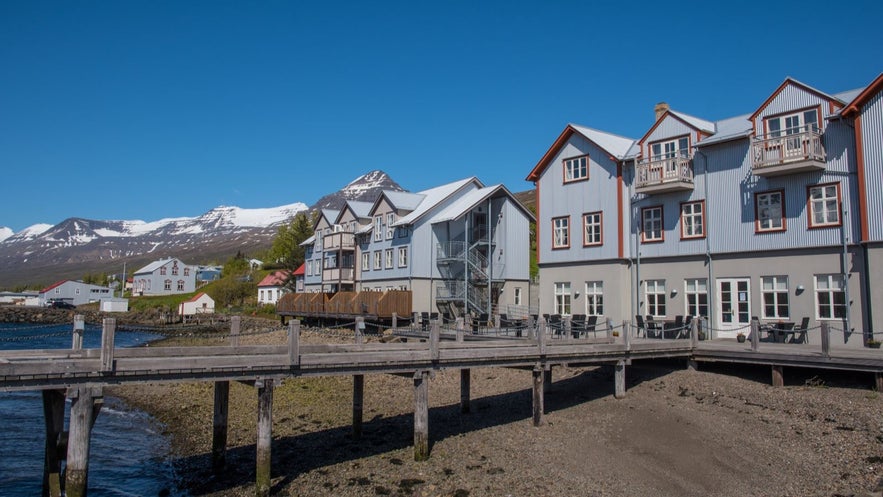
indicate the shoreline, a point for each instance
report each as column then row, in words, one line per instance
column 724, row 432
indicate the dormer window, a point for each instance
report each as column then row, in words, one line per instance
column 679, row 147
column 378, row 228
column 792, row 124
column 390, row 219
column 576, row 169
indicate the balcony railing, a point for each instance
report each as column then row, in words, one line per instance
column 338, row 274
column 795, row 150
column 340, row 240
column 662, row 175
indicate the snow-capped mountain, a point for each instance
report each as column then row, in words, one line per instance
column 365, row 188
column 76, row 246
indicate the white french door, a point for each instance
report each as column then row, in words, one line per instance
column 734, row 306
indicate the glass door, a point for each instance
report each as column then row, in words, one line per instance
column 734, row 311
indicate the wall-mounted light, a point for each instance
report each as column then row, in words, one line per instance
column 674, row 292
column 799, row 289
column 576, row 295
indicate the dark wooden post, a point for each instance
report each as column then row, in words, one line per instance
column 625, row 329
column 219, row 426
column 294, row 343
column 235, row 323
column 82, row 418
column 619, row 380
column 434, row 337
column 465, row 387
column 421, row 415
column 265, row 437
column 694, row 333
column 358, row 404
column 538, row 395
column 53, row 414
column 79, row 326
column 755, row 334
column 826, row 340
column 107, row 332
column 547, row 378
column 778, row 376
column 541, row 336
column 395, row 321
column 531, row 327
column 878, row 382
column 568, row 327
column 460, row 328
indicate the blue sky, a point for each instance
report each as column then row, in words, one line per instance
column 153, row 109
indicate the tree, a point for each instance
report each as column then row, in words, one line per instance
column 287, row 252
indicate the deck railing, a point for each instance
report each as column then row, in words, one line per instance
column 664, row 170
column 793, row 145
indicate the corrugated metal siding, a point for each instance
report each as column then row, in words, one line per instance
column 872, row 147
column 516, row 243
column 791, row 98
column 574, row 199
column 667, row 129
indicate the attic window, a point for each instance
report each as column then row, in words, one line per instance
column 576, row 169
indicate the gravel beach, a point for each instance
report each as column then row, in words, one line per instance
column 720, row 431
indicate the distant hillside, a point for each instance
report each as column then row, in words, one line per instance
column 365, row 188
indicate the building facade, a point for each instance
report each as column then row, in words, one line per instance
column 753, row 216
column 459, row 247
column 73, row 292
column 164, row 277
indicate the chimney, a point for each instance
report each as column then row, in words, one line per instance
column 660, row 109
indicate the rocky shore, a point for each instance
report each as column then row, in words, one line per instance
column 721, row 431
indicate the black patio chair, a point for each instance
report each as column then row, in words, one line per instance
column 555, row 324
column 653, row 328
column 590, row 325
column 577, row 325
column 482, row 321
column 424, row 321
column 799, row 335
column 639, row 322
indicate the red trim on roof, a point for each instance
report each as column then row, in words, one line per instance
column 788, row 81
column 855, row 106
column 274, row 279
column 659, row 121
column 301, row 270
column 197, row 297
column 50, row 287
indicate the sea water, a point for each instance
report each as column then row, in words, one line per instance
column 128, row 456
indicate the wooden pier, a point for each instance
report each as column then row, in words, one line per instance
column 81, row 374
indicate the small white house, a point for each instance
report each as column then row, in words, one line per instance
column 201, row 303
column 272, row 287
column 114, row 305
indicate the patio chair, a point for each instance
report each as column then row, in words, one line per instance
column 482, row 321
column 799, row 335
column 639, row 322
column 577, row 325
column 424, row 321
column 590, row 325
column 555, row 324
column 653, row 328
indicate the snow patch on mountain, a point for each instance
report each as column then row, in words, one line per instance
column 5, row 233
column 29, row 233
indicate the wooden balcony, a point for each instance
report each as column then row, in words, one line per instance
column 674, row 174
column 338, row 275
column 342, row 240
column 788, row 153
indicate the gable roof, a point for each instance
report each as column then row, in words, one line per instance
column 729, row 129
column 199, row 296
column 854, row 107
column 361, row 210
column 617, row 147
column 693, row 122
column 276, row 278
column 789, row 81
column 330, row 216
column 300, row 269
column 434, row 196
column 54, row 285
column 471, row 199
column 153, row 266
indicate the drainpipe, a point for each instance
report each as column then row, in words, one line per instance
column 844, row 261
column 710, row 287
column 490, row 259
column 636, row 288
column 466, row 265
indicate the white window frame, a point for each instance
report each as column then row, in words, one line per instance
column 830, row 286
column 388, row 256
column 561, row 232
column 652, row 229
column 563, row 298
column 378, row 228
column 693, row 219
column 318, row 241
column 670, row 149
column 791, row 124
column 592, row 228
column 517, row 298
column 378, row 260
column 774, row 288
column 769, row 215
column 655, row 298
column 366, row 261
column 390, row 219
column 594, row 298
column 576, row 168
column 694, row 291
column 822, row 204
column 403, row 256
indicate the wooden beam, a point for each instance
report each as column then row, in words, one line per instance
column 421, row 415
column 219, row 426
column 358, row 404
column 778, row 376
column 108, row 329
column 547, row 378
column 235, row 324
column 294, row 343
column 465, row 387
column 53, row 413
column 619, row 380
column 81, row 421
column 878, row 382
column 538, row 406
column 265, row 438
